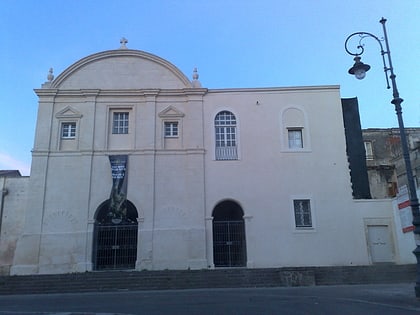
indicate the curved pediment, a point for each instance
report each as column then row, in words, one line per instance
column 121, row 69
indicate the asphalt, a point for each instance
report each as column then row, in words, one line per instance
column 389, row 299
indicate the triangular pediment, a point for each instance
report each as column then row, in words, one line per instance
column 68, row 112
column 171, row 112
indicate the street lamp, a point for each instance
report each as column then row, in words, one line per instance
column 359, row 70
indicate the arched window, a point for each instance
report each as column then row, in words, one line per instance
column 226, row 140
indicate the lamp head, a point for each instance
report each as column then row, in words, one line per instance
column 359, row 69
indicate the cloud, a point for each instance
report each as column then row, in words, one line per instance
column 7, row 162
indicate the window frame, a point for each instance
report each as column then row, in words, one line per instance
column 368, row 150
column 68, row 133
column 173, row 129
column 305, row 227
column 226, row 136
column 299, row 143
column 123, row 125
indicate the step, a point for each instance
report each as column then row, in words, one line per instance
column 214, row 278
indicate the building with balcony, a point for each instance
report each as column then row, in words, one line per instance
column 385, row 163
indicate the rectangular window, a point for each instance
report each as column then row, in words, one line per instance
column 369, row 150
column 120, row 123
column 295, row 138
column 225, row 136
column 171, row 129
column 303, row 216
column 68, row 130
column 226, row 143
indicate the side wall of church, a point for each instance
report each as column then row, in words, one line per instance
column 268, row 176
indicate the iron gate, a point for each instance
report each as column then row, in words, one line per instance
column 229, row 248
column 115, row 246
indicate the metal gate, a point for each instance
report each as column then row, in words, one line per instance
column 229, row 248
column 115, row 246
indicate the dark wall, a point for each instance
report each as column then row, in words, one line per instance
column 355, row 149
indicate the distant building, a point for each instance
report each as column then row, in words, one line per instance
column 10, row 173
column 385, row 163
column 135, row 166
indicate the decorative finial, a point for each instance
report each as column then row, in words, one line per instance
column 195, row 74
column 123, row 43
column 195, row 81
column 50, row 76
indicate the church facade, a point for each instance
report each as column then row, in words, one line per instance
column 135, row 166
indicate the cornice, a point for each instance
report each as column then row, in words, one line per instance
column 58, row 153
column 121, row 92
column 46, row 92
column 277, row 89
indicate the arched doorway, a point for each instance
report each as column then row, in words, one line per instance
column 229, row 245
column 115, row 239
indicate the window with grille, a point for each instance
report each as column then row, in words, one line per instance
column 120, row 123
column 171, row 129
column 226, row 140
column 303, row 215
column 68, row 130
column 295, row 138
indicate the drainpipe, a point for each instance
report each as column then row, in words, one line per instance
column 4, row 192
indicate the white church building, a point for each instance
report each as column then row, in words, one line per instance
column 135, row 166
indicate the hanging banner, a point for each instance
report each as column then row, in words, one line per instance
column 404, row 208
column 118, row 197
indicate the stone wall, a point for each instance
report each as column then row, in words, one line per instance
column 12, row 217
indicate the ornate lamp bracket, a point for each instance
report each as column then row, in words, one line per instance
column 360, row 50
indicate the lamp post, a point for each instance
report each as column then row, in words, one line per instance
column 359, row 70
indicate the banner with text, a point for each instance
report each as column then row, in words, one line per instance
column 118, row 197
column 404, row 208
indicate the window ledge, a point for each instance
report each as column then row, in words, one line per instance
column 303, row 150
column 305, row 230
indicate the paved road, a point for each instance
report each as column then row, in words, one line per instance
column 321, row 300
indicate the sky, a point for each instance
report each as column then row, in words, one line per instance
column 233, row 43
